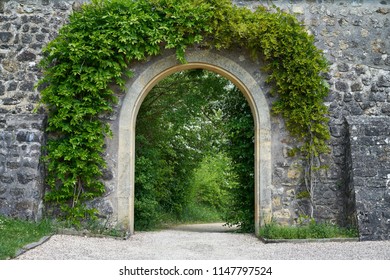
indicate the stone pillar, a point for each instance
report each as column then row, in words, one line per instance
column 21, row 173
column 369, row 180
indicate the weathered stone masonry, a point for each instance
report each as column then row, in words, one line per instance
column 25, row 27
column 368, row 158
column 21, row 174
column 355, row 37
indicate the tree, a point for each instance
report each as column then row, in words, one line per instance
column 184, row 148
column 240, row 148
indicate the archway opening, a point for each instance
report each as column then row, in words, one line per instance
column 147, row 76
column 194, row 153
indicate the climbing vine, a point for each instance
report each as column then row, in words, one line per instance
column 92, row 52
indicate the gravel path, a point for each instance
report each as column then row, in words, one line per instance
column 200, row 243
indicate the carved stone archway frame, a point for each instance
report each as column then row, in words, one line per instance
column 234, row 66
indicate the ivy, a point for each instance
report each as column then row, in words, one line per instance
column 93, row 51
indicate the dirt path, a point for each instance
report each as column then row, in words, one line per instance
column 199, row 242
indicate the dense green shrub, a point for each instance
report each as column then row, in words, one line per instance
column 240, row 127
column 180, row 141
column 307, row 231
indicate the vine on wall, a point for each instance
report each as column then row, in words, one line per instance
column 94, row 49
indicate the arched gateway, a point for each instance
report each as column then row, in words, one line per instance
column 233, row 65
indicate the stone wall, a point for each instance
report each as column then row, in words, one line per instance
column 369, row 182
column 21, row 174
column 25, row 28
column 355, row 38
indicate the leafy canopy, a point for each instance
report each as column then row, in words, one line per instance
column 94, row 49
column 182, row 172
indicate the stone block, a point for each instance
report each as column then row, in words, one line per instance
column 343, row 67
column 366, row 172
column 386, row 109
column 40, row 37
column 6, row 179
column 276, row 202
column 13, row 164
column 342, row 86
column 107, row 175
column 336, row 130
column 372, row 131
column 347, row 97
column 356, row 110
column 26, row 177
column 378, row 96
column 31, row 163
column 294, row 172
column 22, row 206
column 26, row 56
column 10, row 101
column 37, row 19
column 3, row 189
column 369, row 159
column 26, row 39
column 365, row 141
column 28, row 136
column 5, row 37
column 4, row 206
column 383, row 81
column 2, row 89
column 282, row 216
column 17, row 192
column 356, row 87
column 27, row 86
column 12, row 86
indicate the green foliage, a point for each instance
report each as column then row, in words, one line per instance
column 94, row 49
column 212, row 181
column 307, row 231
column 199, row 213
column 294, row 66
column 17, row 233
column 240, row 148
column 89, row 54
column 303, row 194
column 195, row 136
column 178, row 139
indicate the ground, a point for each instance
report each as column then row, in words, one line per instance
column 200, row 242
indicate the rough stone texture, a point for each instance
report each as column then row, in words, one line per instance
column 25, row 28
column 354, row 35
column 369, row 185
column 21, row 174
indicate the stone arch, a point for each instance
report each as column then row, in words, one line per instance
column 147, row 76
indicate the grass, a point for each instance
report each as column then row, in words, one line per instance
column 198, row 213
column 310, row 231
column 192, row 214
column 14, row 234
